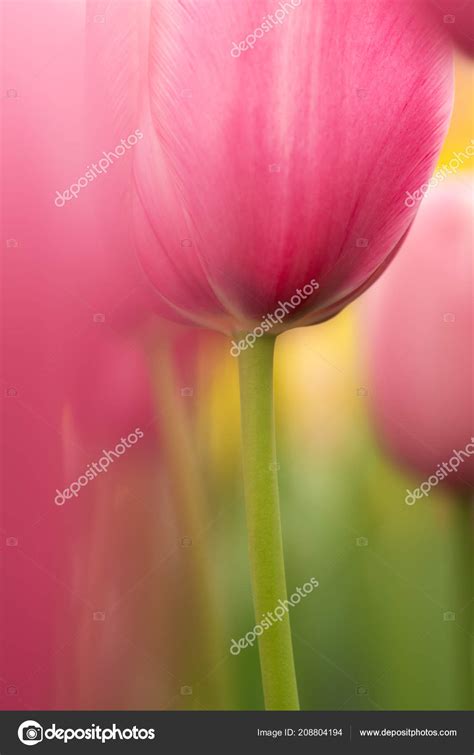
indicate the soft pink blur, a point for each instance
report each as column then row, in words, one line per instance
column 111, row 389
column 68, row 272
column 420, row 324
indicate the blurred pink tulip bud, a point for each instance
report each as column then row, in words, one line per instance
column 420, row 321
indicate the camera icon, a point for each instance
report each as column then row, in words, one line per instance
column 449, row 19
column 362, row 243
column 362, row 541
column 449, row 317
column 449, row 616
column 187, row 391
column 98, row 317
column 186, row 690
column 30, row 733
column 362, row 689
column 98, row 616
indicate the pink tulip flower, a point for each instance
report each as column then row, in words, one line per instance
column 275, row 157
column 420, row 320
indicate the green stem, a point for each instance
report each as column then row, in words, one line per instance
column 263, row 523
column 465, row 579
